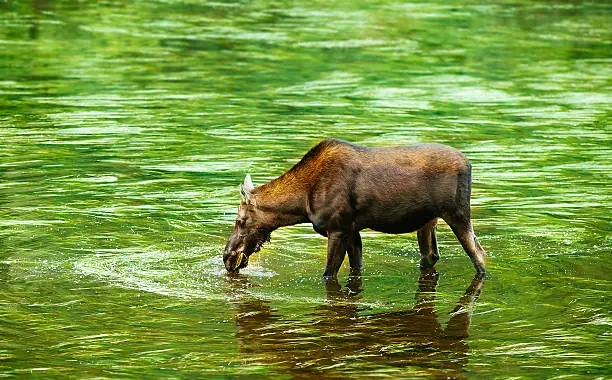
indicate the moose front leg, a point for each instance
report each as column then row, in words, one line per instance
column 336, row 250
column 354, row 251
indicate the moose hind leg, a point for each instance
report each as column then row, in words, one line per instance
column 428, row 245
column 355, row 250
column 462, row 227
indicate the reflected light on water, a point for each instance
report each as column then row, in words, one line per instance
column 340, row 336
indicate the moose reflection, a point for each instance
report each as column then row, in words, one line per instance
column 339, row 336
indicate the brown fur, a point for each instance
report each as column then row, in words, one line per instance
column 342, row 188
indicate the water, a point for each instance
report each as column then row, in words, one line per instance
column 126, row 127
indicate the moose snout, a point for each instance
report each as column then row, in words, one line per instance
column 234, row 261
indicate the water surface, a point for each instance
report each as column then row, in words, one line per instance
column 126, row 127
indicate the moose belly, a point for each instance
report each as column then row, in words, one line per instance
column 399, row 204
column 393, row 223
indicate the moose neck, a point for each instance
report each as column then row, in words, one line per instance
column 285, row 199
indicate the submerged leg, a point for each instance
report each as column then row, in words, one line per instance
column 336, row 250
column 462, row 227
column 428, row 244
column 354, row 251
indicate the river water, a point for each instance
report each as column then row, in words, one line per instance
column 126, row 127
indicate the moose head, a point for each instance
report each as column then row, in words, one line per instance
column 251, row 230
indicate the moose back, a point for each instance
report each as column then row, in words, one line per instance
column 342, row 188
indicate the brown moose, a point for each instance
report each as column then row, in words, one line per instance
column 342, row 188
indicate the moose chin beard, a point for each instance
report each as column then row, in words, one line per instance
column 263, row 238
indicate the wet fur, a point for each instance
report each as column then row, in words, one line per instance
column 342, row 188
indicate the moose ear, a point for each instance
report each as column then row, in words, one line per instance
column 246, row 188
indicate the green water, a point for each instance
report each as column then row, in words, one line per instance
column 126, row 127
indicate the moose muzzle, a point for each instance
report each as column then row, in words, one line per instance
column 235, row 260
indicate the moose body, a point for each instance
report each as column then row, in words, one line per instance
column 342, row 188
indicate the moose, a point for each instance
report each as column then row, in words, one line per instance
column 343, row 188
